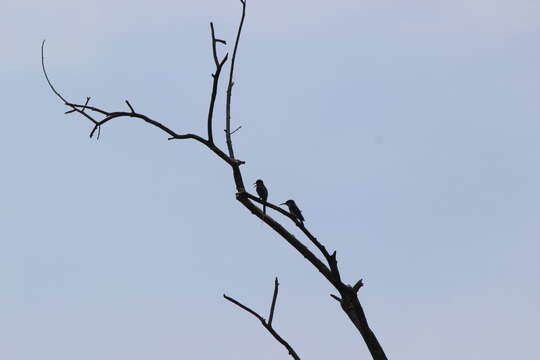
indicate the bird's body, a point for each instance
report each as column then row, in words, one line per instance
column 294, row 210
column 262, row 192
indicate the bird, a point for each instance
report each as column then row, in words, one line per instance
column 294, row 210
column 262, row 192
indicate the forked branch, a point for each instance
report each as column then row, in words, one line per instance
column 267, row 324
column 91, row 113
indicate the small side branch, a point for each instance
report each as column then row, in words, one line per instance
column 215, row 82
column 265, row 324
column 130, row 107
column 235, row 130
column 274, row 298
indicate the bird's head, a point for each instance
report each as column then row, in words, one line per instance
column 288, row 202
column 258, row 182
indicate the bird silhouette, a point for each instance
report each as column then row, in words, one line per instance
column 294, row 210
column 262, row 192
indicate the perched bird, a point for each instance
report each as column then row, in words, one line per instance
column 262, row 192
column 294, row 210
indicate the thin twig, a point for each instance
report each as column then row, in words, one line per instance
column 273, row 306
column 86, row 103
column 130, row 107
column 47, row 76
column 235, row 130
column 93, row 108
column 252, row 312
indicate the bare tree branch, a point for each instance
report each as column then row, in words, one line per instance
column 348, row 295
column 108, row 116
column 228, row 133
column 235, row 130
column 265, row 324
column 274, row 298
column 261, row 319
column 130, row 107
column 47, row 77
column 299, row 224
column 215, row 82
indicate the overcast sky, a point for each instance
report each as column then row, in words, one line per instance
column 408, row 132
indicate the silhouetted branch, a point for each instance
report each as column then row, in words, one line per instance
column 228, row 133
column 245, row 197
column 130, row 107
column 47, row 77
column 358, row 285
column 215, row 82
column 274, row 298
column 235, row 130
column 299, row 224
column 86, row 103
column 108, row 116
column 265, row 324
column 348, row 295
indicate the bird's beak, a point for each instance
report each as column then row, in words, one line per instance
column 282, row 204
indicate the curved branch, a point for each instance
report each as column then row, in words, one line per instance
column 47, row 76
column 81, row 109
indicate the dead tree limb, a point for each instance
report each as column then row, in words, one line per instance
column 215, row 83
column 231, row 84
column 268, row 324
column 274, row 299
column 327, row 265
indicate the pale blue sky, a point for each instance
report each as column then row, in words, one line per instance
column 408, row 132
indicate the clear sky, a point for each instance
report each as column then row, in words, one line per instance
column 407, row 131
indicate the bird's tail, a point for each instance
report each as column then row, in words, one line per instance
column 264, row 208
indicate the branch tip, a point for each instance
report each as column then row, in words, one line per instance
column 358, row 285
column 235, row 130
column 224, row 59
column 130, row 107
column 93, row 131
column 274, row 299
column 47, row 76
